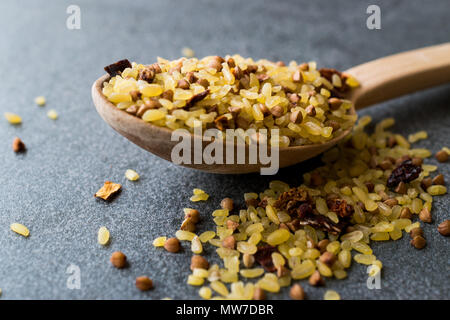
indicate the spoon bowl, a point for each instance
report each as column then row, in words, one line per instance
column 380, row 80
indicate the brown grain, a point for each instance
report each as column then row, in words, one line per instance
column 144, row 283
column 199, row 262
column 118, row 259
column 172, row 245
column 297, row 292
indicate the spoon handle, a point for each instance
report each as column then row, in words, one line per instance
column 399, row 74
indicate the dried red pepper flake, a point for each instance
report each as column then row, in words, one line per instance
column 327, row 73
column 263, row 203
column 264, row 257
column 405, row 172
column 291, row 200
column 117, row 68
column 340, row 207
column 299, row 205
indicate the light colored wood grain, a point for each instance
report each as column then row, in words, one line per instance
column 400, row 74
column 380, row 80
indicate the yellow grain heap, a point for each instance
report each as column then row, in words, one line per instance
column 304, row 102
column 355, row 172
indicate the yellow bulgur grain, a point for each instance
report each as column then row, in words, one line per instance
column 187, row 52
column 196, row 245
column 198, row 191
column 277, row 260
column 380, row 236
column 362, row 247
column 412, row 226
column 374, row 270
column 13, row 118
column 396, row 234
column 334, row 247
column 199, row 195
column 324, row 269
column 331, row 295
column 20, row 229
column 269, row 285
column 437, row 190
column 272, row 214
column 103, row 236
column 205, row 293
column 52, row 114
column 201, row 273
column 353, row 236
column 40, row 101
column 159, row 242
column 340, row 274
column 365, row 258
column 185, row 235
column 252, row 273
column 195, row 281
column 303, row 270
column 220, row 288
column 295, row 252
column 229, row 276
column 131, row 175
column 412, row 138
column 206, row 236
column 277, row 237
column 246, row 247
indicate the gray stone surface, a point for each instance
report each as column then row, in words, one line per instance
column 50, row 188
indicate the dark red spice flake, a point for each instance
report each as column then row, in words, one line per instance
column 264, row 257
column 291, row 201
column 117, row 68
column 299, row 205
column 405, row 172
column 327, row 73
column 340, row 207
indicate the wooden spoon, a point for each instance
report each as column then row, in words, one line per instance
column 380, row 80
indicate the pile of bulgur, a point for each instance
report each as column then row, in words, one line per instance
column 371, row 188
column 307, row 104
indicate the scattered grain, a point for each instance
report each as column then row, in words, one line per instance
column 20, row 229
column 13, row 118
column 52, row 114
column 108, row 190
column 18, row 145
column 418, row 242
column 297, row 292
column 40, row 101
column 144, row 283
column 444, row 228
column 131, row 175
column 118, row 259
column 172, row 245
column 442, row 156
column 103, row 236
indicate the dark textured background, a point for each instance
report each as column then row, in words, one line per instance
column 50, row 188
